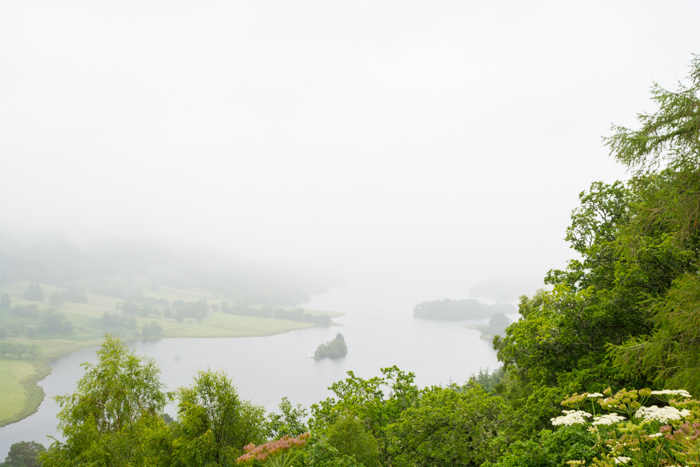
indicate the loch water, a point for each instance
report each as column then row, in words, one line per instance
column 378, row 327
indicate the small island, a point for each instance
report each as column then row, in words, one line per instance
column 333, row 349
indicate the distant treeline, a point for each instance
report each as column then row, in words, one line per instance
column 30, row 321
column 19, row 349
column 180, row 309
column 297, row 314
column 459, row 309
column 72, row 293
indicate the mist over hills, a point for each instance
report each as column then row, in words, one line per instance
column 58, row 261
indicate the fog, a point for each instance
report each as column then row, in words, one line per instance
column 447, row 138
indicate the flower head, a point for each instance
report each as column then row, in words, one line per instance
column 608, row 419
column 572, row 417
column 662, row 415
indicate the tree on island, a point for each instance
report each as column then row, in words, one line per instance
column 333, row 349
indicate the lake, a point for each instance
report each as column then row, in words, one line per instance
column 378, row 327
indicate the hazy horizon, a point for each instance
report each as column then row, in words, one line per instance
column 411, row 138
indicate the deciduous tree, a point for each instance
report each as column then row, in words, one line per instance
column 24, row 454
column 214, row 423
column 115, row 404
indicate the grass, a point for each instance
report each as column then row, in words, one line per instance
column 20, row 395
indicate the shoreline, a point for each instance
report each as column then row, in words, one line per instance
column 34, row 394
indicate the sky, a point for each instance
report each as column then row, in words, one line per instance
column 450, row 137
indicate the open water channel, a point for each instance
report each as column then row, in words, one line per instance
column 378, row 327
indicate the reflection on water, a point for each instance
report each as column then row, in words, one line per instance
column 379, row 330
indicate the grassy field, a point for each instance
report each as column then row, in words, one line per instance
column 19, row 394
column 16, row 397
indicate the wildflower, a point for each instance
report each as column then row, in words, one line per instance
column 282, row 446
column 608, row 419
column 574, row 401
column 662, row 415
column 622, row 459
column 594, row 395
column 572, row 417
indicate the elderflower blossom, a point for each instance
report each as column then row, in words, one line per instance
column 572, row 417
column 608, row 419
column 672, row 392
column 622, row 459
column 662, row 415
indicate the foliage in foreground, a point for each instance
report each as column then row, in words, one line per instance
column 115, row 417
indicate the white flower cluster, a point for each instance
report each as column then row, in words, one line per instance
column 622, row 459
column 672, row 392
column 662, row 415
column 608, row 419
column 572, row 417
column 594, row 395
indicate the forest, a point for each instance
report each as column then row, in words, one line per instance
column 601, row 369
